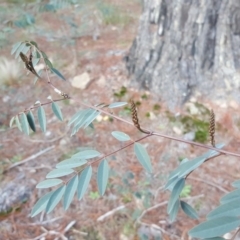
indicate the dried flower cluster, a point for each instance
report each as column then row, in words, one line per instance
column 134, row 114
column 212, row 128
column 135, row 117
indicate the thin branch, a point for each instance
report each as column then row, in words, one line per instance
column 209, row 183
column 69, row 226
column 110, row 213
column 235, row 235
column 45, row 222
column 163, row 204
column 31, row 157
column 48, row 141
column 160, row 229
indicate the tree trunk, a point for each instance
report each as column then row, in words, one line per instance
column 187, row 47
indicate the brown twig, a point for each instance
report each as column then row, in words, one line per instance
column 31, row 157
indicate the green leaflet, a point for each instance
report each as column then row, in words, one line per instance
column 215, row 227
column 84, row 118
column 117, row 104
column 44, row 55
column 15, row 47
column 25, row 49
column 20, row 48
column 42, row 118
column 121, row 136
column 30, row 119
column 59, row 172
column 230, row 209
column 84, row 180
column 35, row 61
column 236, row 184
column 18, row 123
column 41, row 204
column 230, row 196
column 57, row 111
column 102, row 176
column 71, row 163
column 188, row 210
column 215, row 238
column 185, row 168
column 86, row 154
column 24, row 123
column 11, row 121
column 91, row 118
column 34, row 43
column 49, row 183
column 54, row 70
column 174, row 211
column 75, row 117
column 48, row 62
column 70, row 191
column 55, row 198
column 175, row 194
column 171, row 183
column 143, row 156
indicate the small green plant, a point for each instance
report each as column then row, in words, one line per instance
column 186, row 191
column 148, row 114
column 94, row 195
column 144, row 96
column 121, row 93
column 156, row 107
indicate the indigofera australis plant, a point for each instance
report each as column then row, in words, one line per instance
column 78, row 167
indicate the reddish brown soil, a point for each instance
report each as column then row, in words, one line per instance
column 208, row 182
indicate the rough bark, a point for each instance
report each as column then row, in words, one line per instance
column 184, row 47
